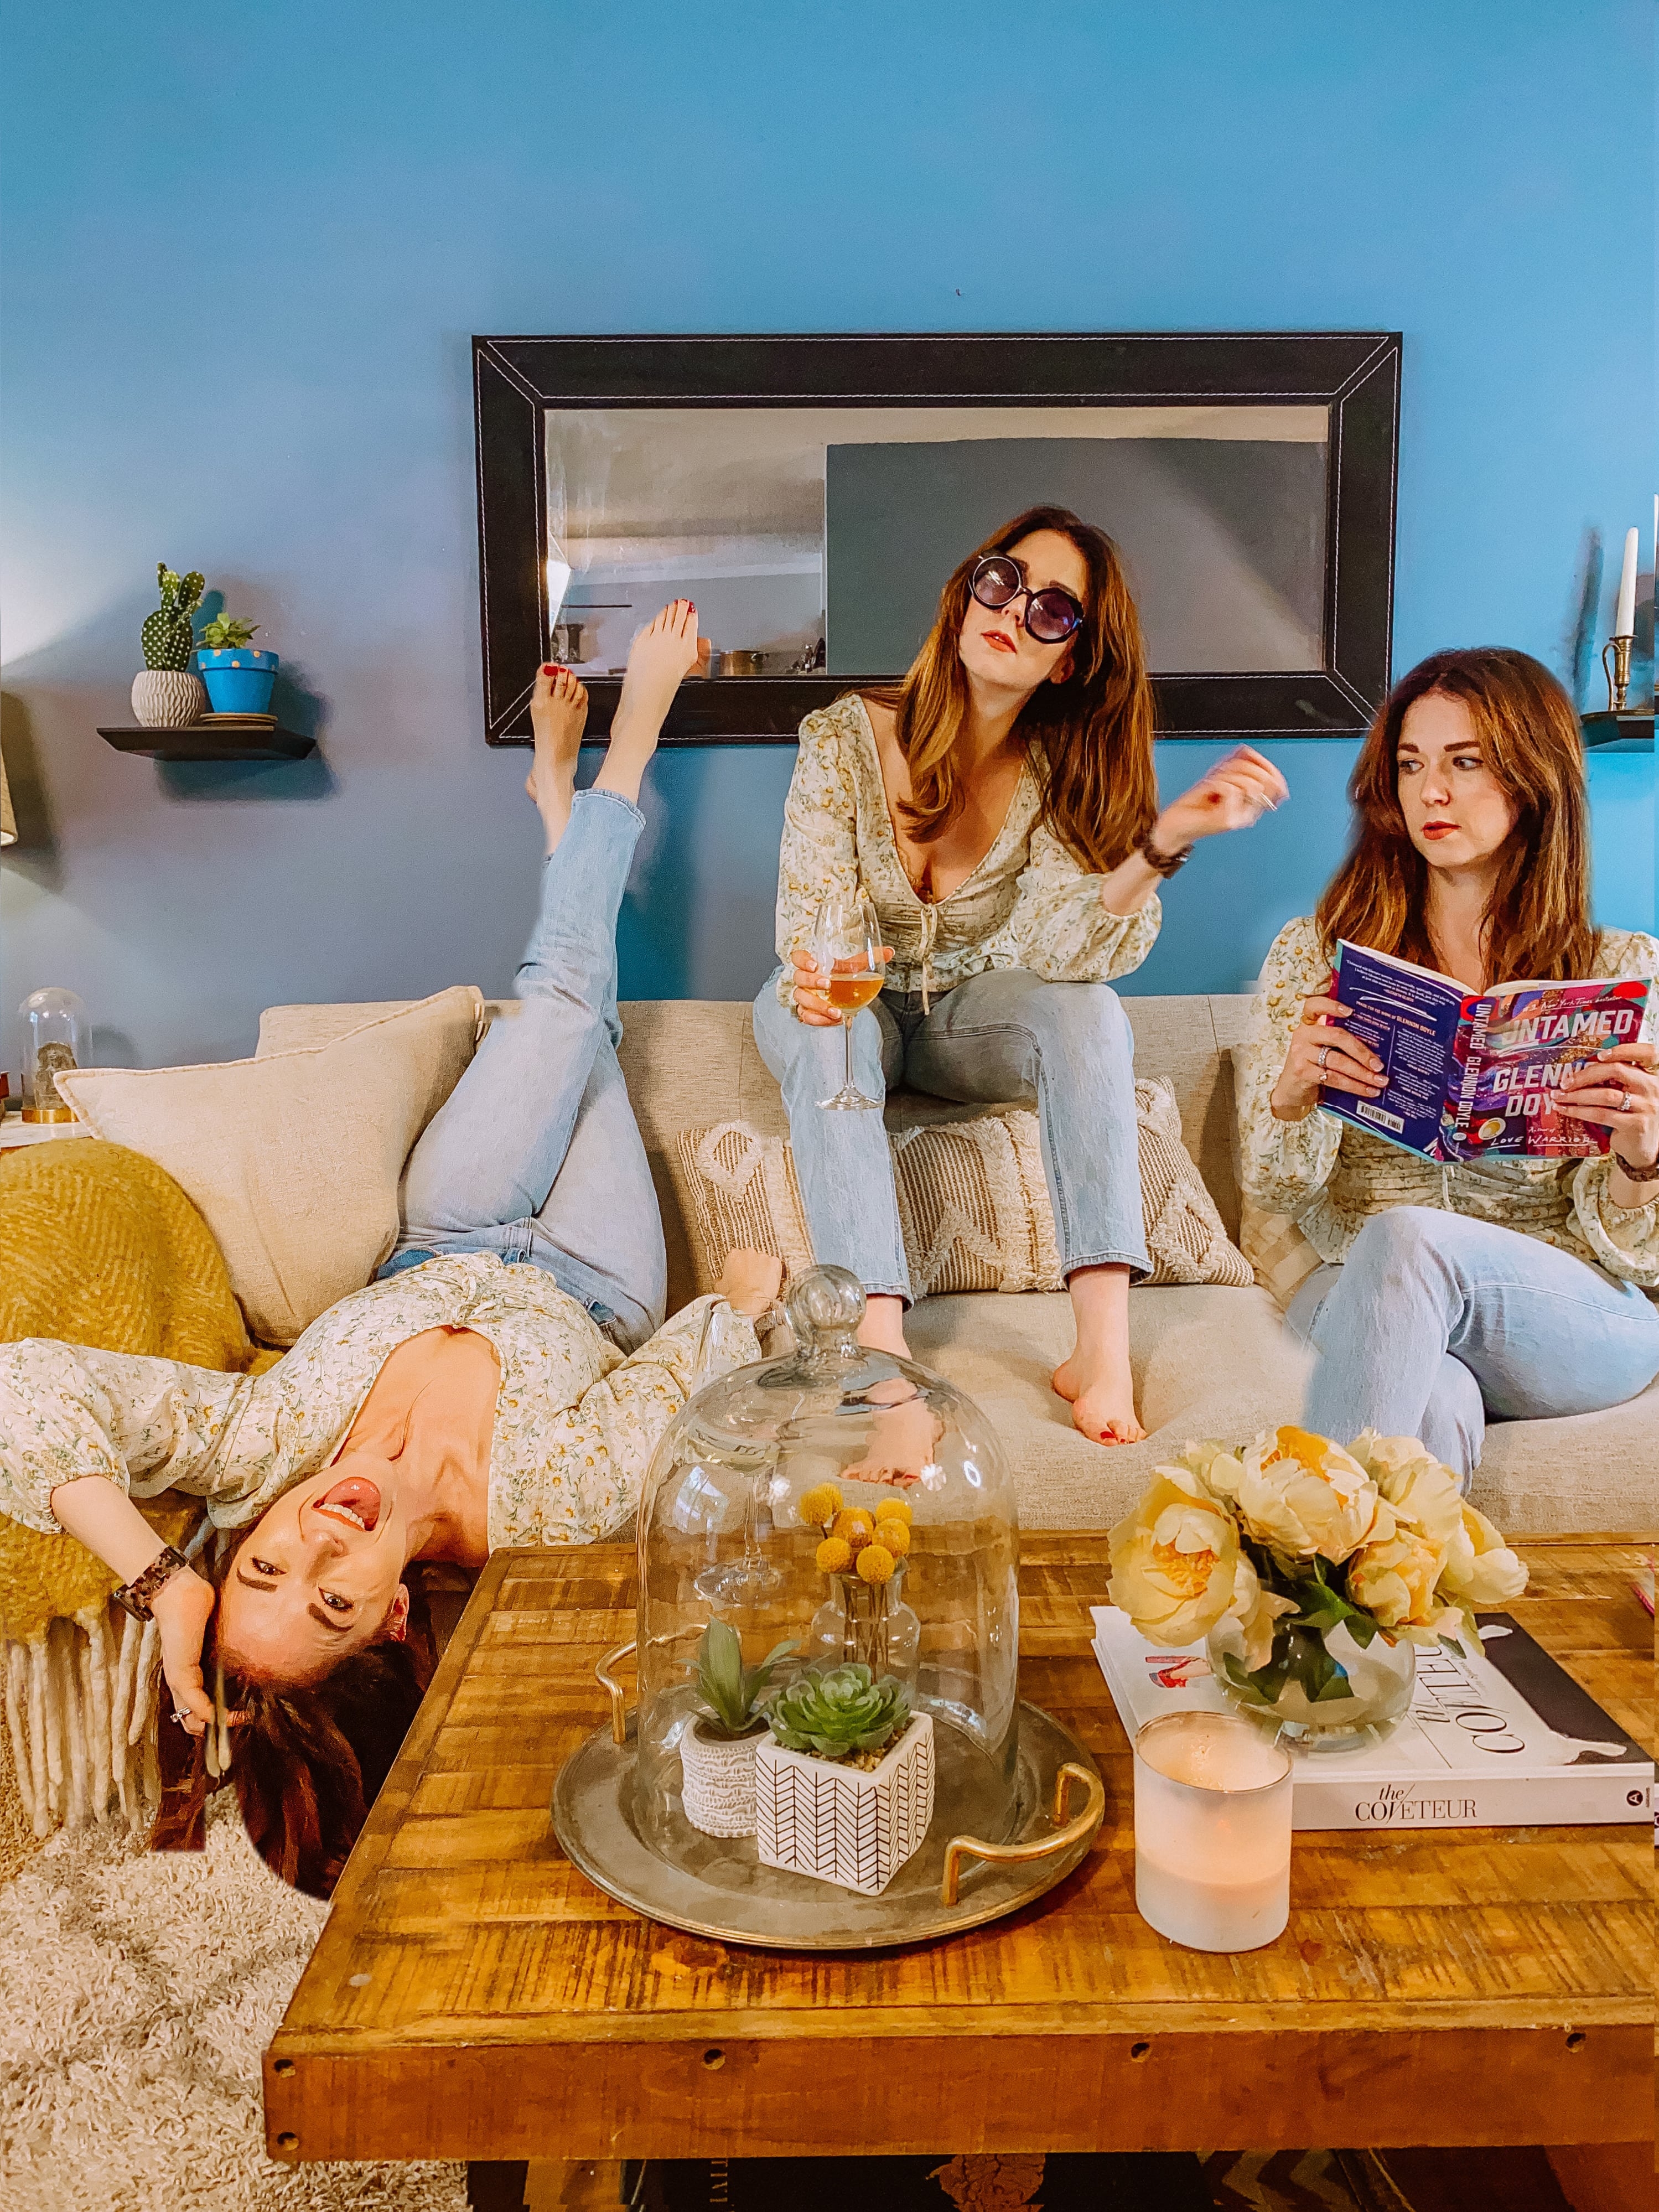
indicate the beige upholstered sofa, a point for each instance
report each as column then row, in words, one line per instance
column 1209, row 1362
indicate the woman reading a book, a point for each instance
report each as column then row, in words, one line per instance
column 999, row 810
column 1512, row 1287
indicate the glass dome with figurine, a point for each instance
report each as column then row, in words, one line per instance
column 829, row 1747
column 55, row 1036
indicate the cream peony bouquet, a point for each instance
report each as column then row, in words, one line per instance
column 1293, row 1536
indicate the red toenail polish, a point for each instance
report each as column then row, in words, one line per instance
column 549, row 668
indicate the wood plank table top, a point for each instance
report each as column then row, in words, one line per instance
column 473, row 1997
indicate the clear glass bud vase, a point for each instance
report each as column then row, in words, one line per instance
column 868, row 1622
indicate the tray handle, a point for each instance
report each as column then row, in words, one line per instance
column 1094, row 1809
column 618, row 1695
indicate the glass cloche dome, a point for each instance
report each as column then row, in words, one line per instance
column 857, row 1509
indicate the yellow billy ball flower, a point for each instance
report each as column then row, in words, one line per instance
column 832, row 1555
column 894, row 1509
column 895, row 1534
column 876, row 1563
column 820, row 1506
column 855, row 1526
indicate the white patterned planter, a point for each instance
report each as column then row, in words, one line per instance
column 820, row 1817
column 717, row 1784
column 167, row 698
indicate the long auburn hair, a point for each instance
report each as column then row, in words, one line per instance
column 310, row 1758
column 1088, row 738
column 1537, row 922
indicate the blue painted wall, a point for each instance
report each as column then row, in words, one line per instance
column 244, row 258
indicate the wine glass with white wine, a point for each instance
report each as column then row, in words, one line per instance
column 847, row 948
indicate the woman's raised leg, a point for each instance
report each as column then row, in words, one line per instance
column 491, row 1156
column 1067, row 1047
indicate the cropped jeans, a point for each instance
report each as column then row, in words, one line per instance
column 1437, row 1321
column 535, row 1155
column 1003, row 1037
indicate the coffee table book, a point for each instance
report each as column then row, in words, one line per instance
column 1503, row 1739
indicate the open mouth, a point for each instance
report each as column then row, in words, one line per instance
column 1439, row 829
column 354, row 1502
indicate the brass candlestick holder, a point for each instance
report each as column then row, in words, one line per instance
column 1619, row 675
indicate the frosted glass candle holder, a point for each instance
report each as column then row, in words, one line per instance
column 1212, row 1831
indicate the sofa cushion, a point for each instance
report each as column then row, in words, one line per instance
column 1207, row 1362
column 973, row 1203
column 294, row 1159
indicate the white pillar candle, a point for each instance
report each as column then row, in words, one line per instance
column 1623, row 621
column 1212, row 1831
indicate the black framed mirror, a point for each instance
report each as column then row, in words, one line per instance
column 812, row 494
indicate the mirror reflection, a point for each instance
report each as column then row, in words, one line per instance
column 817, row 539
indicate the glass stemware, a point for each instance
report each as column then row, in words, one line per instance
column 847, row 948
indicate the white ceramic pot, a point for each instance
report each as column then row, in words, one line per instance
column 167, row 698
column 821, row 1817
column 717, row 1785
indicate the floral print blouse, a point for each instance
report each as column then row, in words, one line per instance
column 575, row 1422
column 1331, row 1177
column 1028, row 904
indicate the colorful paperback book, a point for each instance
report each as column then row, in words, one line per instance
column 1503, row 1738
column 1472, row 1075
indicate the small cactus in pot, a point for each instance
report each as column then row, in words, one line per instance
column 169, row 695
column 717, row 1750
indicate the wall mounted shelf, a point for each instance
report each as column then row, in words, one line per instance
column 1629, row 732
column 200, row 741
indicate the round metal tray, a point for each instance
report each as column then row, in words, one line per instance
column 956, row 1881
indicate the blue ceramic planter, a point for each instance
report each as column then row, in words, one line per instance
column 238, row 680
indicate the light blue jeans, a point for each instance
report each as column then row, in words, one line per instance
column 535, row 1154
column 1437, row 1321
column 999, row 1038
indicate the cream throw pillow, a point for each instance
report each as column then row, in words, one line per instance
column 293, row 1159
column 972, row 1202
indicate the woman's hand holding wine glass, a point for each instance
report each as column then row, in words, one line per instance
column 841, row 974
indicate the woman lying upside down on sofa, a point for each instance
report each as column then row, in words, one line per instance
column 500, row 1383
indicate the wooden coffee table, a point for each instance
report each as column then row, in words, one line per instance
column 473, row 1997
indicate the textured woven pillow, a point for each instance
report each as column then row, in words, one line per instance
column 293, row 1159
column 973, row 1205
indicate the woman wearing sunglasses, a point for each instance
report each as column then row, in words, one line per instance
column 999, row 810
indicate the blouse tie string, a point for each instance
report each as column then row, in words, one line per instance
column 929, row 934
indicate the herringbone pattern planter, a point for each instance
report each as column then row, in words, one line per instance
column 814, row 1816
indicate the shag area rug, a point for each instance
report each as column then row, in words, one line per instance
column 140, row 1989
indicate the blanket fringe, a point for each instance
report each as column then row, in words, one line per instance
column 81, row 1711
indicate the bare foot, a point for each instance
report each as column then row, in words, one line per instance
column 1102, row 1396
column 901, row 1441
column 882, row 1329
column 660, row 658
column 558, row 715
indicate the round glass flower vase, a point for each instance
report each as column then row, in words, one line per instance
column 866, row 1622
column 1320, row 1691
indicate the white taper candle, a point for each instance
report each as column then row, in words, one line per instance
column 1623, row 621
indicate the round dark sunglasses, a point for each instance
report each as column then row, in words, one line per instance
column 1051, row 615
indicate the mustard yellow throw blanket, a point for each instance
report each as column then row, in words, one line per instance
column 98, row 1246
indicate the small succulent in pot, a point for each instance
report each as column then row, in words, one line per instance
column 717, row 1750
column 841, row 1713
column 239, row 679
column 226, row 630
column 169, row 693
column 733, row 1695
